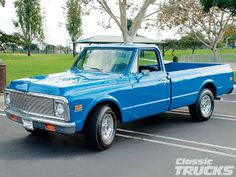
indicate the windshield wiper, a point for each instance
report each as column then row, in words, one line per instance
column 97, row 69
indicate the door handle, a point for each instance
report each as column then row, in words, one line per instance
column 164, row 79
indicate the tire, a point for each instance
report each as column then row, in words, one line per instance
column 204, row 106
column 101, row 127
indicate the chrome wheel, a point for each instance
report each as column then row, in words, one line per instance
column 107, row 129
column 203, row 108
column 206, row 105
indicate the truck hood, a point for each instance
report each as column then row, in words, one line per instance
column 61, row 83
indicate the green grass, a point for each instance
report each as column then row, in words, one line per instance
column 20, row 66
column 179, row 53
column 235, row 77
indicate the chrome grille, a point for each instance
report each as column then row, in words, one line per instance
column 32, row 104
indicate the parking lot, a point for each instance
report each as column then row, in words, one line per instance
column 148, row 147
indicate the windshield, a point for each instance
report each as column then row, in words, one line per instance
column 104, row 60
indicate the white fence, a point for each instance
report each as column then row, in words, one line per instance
column 205, row 58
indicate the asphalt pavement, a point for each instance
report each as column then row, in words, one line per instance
column 146, row 148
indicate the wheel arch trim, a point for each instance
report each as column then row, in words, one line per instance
column 210, row 85
column 99, row 101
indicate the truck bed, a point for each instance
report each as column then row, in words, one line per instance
column 187, row 79
column 170, row 67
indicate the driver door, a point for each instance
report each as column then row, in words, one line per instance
column 151, row 87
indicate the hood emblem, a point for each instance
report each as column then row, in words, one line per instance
column 23, row 87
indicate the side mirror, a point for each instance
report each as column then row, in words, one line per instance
column 146, row 72
column 143, row 73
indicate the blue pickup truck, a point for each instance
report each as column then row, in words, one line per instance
column 113, row 83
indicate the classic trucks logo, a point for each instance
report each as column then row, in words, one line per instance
column 22, row 87
column 201, row 167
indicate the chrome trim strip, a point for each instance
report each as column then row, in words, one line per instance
column 144, row 104
column 54, row 97
column 179, row 96
column 29, row 117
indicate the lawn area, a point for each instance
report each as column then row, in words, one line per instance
column 20, row 66
column 235, row 77
column 178, row 53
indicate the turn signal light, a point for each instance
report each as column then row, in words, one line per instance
column 50, row 127
column 13, row 117
column 78, row 107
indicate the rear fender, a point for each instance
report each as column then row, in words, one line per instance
column 208, row 82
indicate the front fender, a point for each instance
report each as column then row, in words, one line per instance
column 96, row 101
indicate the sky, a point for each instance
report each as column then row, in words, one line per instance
column 54, row 24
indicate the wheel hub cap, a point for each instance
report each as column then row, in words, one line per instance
column 107, row 127
column 206, row 105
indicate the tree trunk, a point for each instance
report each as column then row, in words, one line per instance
column 126, row 38
column 29, row 51
column 74, row 49
column 214, row 52
column 193, row 50
column 226, row 42
column 172, row 53
column 131, row 39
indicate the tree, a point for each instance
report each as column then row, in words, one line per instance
column 11, row 40
column 3, row 41
column 229, row 35
column 188, row 16
column 171, row 44
column 29, row 21
column 49, row 48
column 127, row 10
column 61, row 49
column 2, row 3
column 227, row 5
column 190, row 42
column 74, row 21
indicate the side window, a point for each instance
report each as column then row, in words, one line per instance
column 148, row 60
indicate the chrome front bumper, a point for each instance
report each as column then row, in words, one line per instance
column 39, row 122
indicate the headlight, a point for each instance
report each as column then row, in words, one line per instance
column 59, row 109
column 7, row 98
